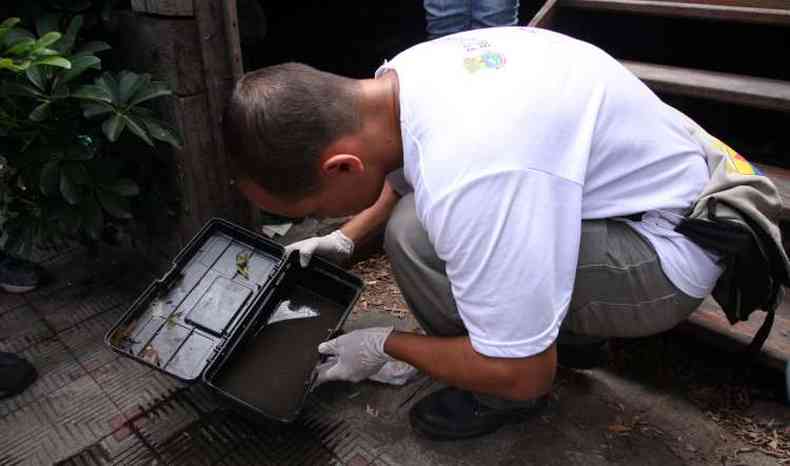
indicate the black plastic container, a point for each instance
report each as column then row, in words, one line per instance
column 234, row 312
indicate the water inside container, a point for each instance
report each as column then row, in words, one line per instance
column 273, row 368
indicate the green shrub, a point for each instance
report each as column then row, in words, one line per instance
column 59, row 118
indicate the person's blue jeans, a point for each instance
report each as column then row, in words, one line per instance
column 450, row 16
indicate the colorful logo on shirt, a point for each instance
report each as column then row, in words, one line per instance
column 735, row 161
column 486, row 60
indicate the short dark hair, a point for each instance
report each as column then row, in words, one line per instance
column 281, row 117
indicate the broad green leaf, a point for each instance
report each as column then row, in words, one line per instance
column 113, row 126
column 93, row 93
column 24, row 64
column 159, row 131
column 125, row 187
column 60, row 92
column 41, row 112
column 129, row 84
column 114, row 204
column 92, row 109
column 53, row 61
column 5, row 28
column 23, row 90
column 14, row 35
column 92, row 218
column 137, row 128
column 91, row 48
column 70, row 37
column 142, row 112
column 68, row 187
column 50, row 178
column 152, row 91
column 78, row 66
column 47, row 23
column 21, row 46
column 8, row 64
column 46, row 40
column 45, row 52
column 110, row 84
column 37, row 76
column 8, row 23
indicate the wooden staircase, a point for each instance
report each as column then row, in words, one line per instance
column 739, row 71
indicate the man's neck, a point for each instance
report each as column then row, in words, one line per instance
column 381, row 120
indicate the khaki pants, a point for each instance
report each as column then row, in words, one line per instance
column 620, row 289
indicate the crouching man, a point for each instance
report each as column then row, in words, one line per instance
column 530, row 187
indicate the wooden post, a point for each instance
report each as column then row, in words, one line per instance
column 194, row 46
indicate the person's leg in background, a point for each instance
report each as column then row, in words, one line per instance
column 443, row 17
column 16, row 276
column 492, row 13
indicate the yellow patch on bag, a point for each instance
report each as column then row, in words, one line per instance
column 735, row 161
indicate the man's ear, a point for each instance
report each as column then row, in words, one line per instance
column 342, row 163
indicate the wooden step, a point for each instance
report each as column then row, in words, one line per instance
column 709, row 323
column 725, row 10
column 738, row 89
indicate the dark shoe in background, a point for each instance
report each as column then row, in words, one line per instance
column 16, row 375
column 453, row 414
column 18, row 275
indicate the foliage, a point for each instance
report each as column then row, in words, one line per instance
column 58, row 120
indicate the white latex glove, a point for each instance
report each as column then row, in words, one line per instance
column 395, row 373
column 355, row 356
column 335, row 246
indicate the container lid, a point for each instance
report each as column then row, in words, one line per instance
column 183, row 319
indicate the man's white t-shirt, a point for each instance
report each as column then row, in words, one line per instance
column 512, row 136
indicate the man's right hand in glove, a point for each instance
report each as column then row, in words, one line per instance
column 355, row 356
column 335, row 246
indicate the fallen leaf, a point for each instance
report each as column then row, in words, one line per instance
column 173, row 319
column 122, row 336
column 619, row 428
column 242, row 265
column 149, row 354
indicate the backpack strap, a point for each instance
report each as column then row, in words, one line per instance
column 751, row 280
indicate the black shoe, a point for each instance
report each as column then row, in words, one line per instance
column 18, row 275
column 16, row 375
column 452, row 414
column 584, row 355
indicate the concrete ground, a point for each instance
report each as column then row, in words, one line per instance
column 93, row 407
